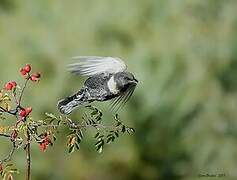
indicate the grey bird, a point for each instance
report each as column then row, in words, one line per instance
column 107, row 80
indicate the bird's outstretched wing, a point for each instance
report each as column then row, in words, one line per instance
column 92, row 65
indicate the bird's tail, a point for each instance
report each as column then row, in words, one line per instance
column 67, row 105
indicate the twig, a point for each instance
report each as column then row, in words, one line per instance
column 2, row 109
column 22, row 91
column 9, row 136
column 5, row 135
column 12, row 112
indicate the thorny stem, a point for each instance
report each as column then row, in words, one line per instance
column 28, row 156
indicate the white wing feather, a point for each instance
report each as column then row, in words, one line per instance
column 92, row 65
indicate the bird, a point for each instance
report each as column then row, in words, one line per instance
column 107, row 79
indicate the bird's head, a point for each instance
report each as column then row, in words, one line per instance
column 125, row 80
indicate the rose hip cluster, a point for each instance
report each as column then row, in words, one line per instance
column 45, row 142
column 26, row 73
column 9, row 86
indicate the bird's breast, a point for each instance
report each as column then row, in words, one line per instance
column 112, row 85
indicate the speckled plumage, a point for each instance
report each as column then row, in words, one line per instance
column 99, row 86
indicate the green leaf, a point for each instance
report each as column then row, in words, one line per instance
column 54, row 138
column 97, row 134
column 101, row 136
column 116, row 117
column 116, row 134
column 98, row 118
column 94, row 113
column 13, row 171
column 109, row 135
column 98, row 143
column 80, row 133
column 71, row 149
column 77, row 145
column 109, row 140
column 50, row 115
column 123, row 129
column 99, row 149
column 130, row 130
column 113, row 138
column 8, row 165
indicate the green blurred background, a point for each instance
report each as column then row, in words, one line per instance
column 184, row 54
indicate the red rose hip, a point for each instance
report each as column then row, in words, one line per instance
column 23, row 71
column 28, row 110
column 8, row 86
column 35, row 76
column 14, row 84
column 22, row 113
column 27, row 68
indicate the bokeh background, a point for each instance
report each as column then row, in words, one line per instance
column 184, row 54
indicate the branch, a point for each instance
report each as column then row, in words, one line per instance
column 9, row 136
column 28, row 156
column 11, row 112
column 23, row 90
column 5, row 135
column 2, row 109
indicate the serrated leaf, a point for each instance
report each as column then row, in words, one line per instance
column 130, row 130
column 50, row 115
column 58, row 123
column 113, row 138
column 8, row 165
column 97, row 134
column 109, row 135
column 116, row 134
column 77, row 145
column 13, row 171
column 54, row 138
column 108, row 140
column 81, row 133
column 99, row 149
column 98, row 118
column 94, row 113
column 98, row 143
column 116, row 117
column 101, row 136
column 71, row 149
column 123, row 129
